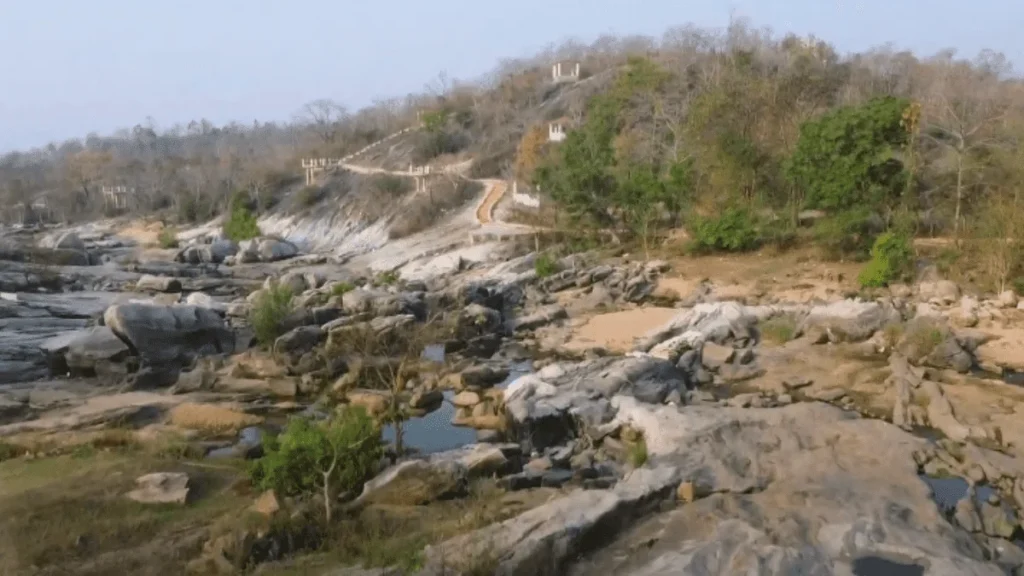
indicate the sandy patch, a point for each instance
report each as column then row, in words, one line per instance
column 144, row 233
column 674, row 288
column 616, row 331
column 211, row 418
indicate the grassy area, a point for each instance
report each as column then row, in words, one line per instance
column 396, row 536
column 68, row 514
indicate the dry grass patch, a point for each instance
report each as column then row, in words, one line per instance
column 382, row 536
column 68, row 514
column 209, row 418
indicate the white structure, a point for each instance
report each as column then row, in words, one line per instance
column 556, row 131
column 568, row 73
column 524, row 199
column 421, row 183
column 313, row 166
column 117, row 197
column 419, row 170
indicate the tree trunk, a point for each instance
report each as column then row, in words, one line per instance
column 327, row 496
column 399, row 442
column 959, row 196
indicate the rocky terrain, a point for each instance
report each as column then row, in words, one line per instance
column 634, row 416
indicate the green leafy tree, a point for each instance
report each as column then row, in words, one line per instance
column 241, row 223
column 847, row 158
column 892, row 258
column 332, row 457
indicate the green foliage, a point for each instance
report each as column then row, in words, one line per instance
column 779, row 329
column 241, row 223
column 430, row 145
column 391, row 185
column 348, row 447
column 387, row 278
column 735, row 230
column 638, row 453
column 341, row 288
column 846, row 234
column 309, row 196
column 435, row 121
column 544, row 265
column 168, row 238
column 892, row 257
column 268, row 312
column 845, row 159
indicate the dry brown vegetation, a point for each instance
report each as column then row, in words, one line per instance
column 969, row 117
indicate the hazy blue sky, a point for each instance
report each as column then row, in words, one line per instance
column 68, row 67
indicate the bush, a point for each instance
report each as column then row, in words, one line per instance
column 779, row 330
column 430, row 145
column 241, row 225
column 391, row 185
column 333, row 457
column 846, row 235
column 892, row 258
column 388, row 278
column 544, row 265
column 342, row 288
column 309, row 196
column 269, row 312
column 168, row 238
column 735, row 230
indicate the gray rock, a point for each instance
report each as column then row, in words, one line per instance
column 150, row 283
column 63, row 241
column 540, row 317
column 94, row 350
column 847, row 320
column 170, row 334
column 161, row 488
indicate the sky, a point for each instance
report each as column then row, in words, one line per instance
column 70, row 67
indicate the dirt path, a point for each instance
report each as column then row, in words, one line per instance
column 485, row 211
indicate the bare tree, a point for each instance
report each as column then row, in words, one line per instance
column 963, row 105
column 323, row 118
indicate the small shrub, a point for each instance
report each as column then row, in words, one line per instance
column 892, row 257
column 309, row 196
column 241, row 224
column 431, row 144
column 779, row 330
column 544, row 265
column 391, row 185
column 920, row 337
column 638, row 453
column 891, row 334
column 388, row 278
column 734, row 230
column 333, row 457
column 268, row 313
column 9, row 451
column 342, row 288
column 168, row 238
column 845, row 235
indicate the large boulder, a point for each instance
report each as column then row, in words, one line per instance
column 213, row 253
column 170, row 334
column 63, row 241
column 265, row 250
column 805, row 489
column 150, row 283
column 95, row 350
column 847, row 321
